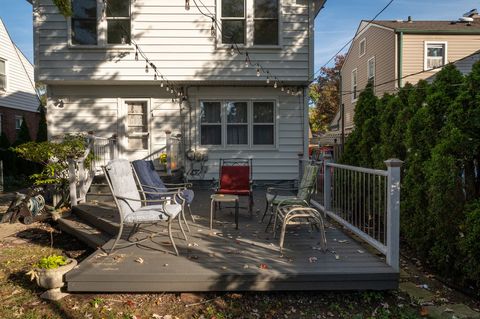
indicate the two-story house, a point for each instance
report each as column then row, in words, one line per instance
column 99, row 67
column 393, row 53
column 18, row 97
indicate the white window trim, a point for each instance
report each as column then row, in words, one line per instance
column 2, row 91
column 425, row 52
column 360, row 54
column 369, row 76
column 250, row 146
column 123, row 110
column 101, row 32
column 20, row 118
column 249, row 27
column 354, row 99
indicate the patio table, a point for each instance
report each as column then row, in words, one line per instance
column 222, row 198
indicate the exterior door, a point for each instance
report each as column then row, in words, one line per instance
column 137, row 137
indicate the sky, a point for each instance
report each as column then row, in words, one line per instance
column 335, row 25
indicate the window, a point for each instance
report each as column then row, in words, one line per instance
column 3, row 75
column 233, row 21
column 211, row 123
column 84, row 22
column 237, row 123
column 371, row 70
column 354, row 85
column 435, row 55
column 362, row 47
column 263, row 123
column 118, row 22
column 265, row 22
column 137, row 125
column 18, row 122
column 244, row 123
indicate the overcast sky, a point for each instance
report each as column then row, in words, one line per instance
column 335, row 25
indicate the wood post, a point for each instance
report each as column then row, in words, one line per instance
column 327, row 182
column 169, row 151
column 72, row 181
column 393, row 213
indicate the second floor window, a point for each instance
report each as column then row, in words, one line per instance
column 435, row 55
column 233, row 21
column 118, row 21
column 362, row 47
column 265, row 22
column 84, row 22
column 354, row 85
column 371, row 70
column 3, row 75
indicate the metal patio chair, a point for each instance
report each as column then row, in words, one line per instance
column 149, row 181
column 127, row 197
column 276, row 196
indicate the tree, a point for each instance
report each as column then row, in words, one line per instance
column 325, row 95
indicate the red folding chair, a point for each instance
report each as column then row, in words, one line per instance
column 236, row 179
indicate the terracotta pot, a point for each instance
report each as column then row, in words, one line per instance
column 53, row 278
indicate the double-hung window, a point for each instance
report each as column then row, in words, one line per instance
column 237, row 123
column 84, row 22
column 118, row 21
column 371, row 70
column 265, row 22
column 233, row 21
column 362, row 47
column 354, row 85
column 18, row 122
column 435, row 55
column 3, row 75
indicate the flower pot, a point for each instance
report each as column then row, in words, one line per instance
column 52, row 279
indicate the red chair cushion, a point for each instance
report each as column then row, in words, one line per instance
column 235, row 178
column 234, row 192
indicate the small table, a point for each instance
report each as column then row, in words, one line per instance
column 221, row 198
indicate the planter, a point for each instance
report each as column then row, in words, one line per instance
column 52, row 279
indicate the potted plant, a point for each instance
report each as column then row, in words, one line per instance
column 48, row 273
column 163, row 161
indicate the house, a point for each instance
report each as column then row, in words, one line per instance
column 18, row 97
column 393, row 53
column 236, row 72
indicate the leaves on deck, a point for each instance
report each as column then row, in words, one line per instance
column 139, row 260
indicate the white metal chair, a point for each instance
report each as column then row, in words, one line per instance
column 127, row 197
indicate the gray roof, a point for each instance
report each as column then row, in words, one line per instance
column 431, row 26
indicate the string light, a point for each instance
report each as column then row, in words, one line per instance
column 232, row 50
column 275, row 85
column 172, row 90
column 258, row 71
column 155, row 76
column 146, row 68
column 212, row 29
column 136, row 53
column 268, row 77
column 283, row 89
column 187, row 5
column 161, row 84
column 288, row 91
column 247, row 60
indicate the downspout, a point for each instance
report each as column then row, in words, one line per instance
column 400, row 59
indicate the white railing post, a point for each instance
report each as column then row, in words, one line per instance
column 168, row 144
column 327, row 183
column 112, row 145
column 72, row 180
column 393, row 213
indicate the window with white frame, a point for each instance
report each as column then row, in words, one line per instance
column 237, row 123
column 435, row 55
column 362, row 47
column 3, row 75
column 241, row 25
column 354, row 85
column 18, row 122
column 371, row 70
column 91, row 17
column 233, row 21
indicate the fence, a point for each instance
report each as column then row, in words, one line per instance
column 365, row 201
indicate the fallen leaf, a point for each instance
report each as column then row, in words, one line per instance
column 343, row 241
column 245, row 266
column 312, row 259
column 423, row 312
column 360, row 251
column 263, row 266
column 337, row 257
column 139, row 260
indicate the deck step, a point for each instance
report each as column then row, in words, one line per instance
column 99, row 197
column 100, row 188
column 103, row 217
column 84, row 232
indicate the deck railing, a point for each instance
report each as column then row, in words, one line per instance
column 365, row 201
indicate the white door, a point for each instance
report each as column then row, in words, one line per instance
column 137, row 136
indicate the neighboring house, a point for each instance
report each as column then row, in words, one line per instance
column 94, row 81
column 393, row 53
column 18, row 97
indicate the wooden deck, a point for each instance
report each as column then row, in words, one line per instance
column 225, row 259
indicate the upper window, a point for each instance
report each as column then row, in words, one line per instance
column 265, row 21
column 233, row 21
column 354, row 85
column 237, row 123
column 242, row 26
column 84, row 22
column 118, row 22
column 435, row 55
column 3, row 75
column 371, row 70
column 18, row 122
column 362, row 47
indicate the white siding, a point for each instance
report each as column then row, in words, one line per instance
column 177, row 41
column 20, row 92
column 84, row 108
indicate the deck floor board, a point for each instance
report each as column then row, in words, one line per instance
column 226, row 259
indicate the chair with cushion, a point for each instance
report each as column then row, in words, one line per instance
column 236, row 179
column 133, row 209
column 285, row 196
column 150, row 181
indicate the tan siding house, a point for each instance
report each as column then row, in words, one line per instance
column 392, row 53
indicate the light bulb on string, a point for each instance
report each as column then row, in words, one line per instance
column 283, row 89
column 161, row 84
column 247, row 60
column 275, row 85
column 258, row 71
column 155, row 76
column 187, row 5
column 232, row 50
column 146, row 68
column 268, row 80
column 168, row 89
column 136, row 53
column 288, row 91
column 171, row 90
column 212, row 29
